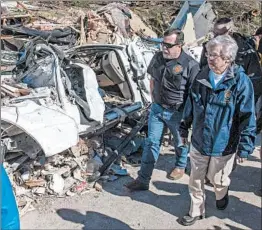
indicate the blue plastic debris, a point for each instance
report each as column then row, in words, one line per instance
column 9, row 211
column 156, row 41
column 27, row 80
column 114, row 114
column 188, row 7
column 118, row 170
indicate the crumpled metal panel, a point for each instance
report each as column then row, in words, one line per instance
column 204, row 19
column 50, row 127
column 140, row 57
column 27, row 144
column 93, row 98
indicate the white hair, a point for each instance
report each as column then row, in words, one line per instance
column 228, row 44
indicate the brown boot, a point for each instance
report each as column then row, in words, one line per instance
column 176, row 174
column 137, row 186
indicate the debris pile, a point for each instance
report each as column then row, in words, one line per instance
column 110, row 24
column 113, row 23
column 61, row 175
column 36, row 177
column 157, row 15
column 66, row 174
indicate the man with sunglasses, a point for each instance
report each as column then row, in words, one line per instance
column 172, row 72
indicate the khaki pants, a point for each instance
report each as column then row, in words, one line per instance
column 217, row 170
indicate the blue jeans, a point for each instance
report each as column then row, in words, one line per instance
column 158, row 117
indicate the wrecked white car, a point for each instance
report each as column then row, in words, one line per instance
column 79, row 92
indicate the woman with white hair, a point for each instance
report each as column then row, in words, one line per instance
column 220, row 103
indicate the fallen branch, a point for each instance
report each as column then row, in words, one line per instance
column 82, row 33
column 23, row 6
column 76, row 30
column 15, row 16
column 10, row 90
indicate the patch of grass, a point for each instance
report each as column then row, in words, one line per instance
column 79, row 3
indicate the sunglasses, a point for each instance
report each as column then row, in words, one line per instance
column 168, row 45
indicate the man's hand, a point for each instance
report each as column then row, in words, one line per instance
column 241, row 160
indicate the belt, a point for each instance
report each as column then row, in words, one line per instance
column 176, row 106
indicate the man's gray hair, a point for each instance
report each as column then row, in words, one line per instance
column 228, row 44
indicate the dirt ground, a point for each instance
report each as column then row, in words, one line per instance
column 159, row 208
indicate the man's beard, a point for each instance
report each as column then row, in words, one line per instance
column 167, row 56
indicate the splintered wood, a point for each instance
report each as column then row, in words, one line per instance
column 13, row 91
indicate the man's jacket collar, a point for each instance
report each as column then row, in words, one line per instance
column 181, row 60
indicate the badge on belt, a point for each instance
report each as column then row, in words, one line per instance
column 177, row 69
